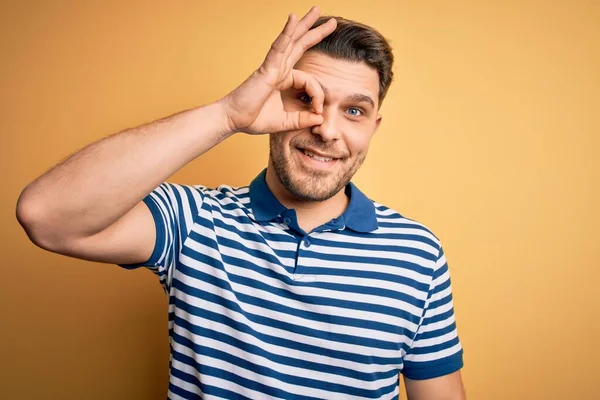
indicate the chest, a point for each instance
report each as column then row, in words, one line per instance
column 338, row 300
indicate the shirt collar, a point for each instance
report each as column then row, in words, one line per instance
column 359, row 215
column 263, row 202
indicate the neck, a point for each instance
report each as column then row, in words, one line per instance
column 310, row 214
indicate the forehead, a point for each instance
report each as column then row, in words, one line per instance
column 341, row 78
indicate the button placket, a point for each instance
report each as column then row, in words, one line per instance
column 302, row 272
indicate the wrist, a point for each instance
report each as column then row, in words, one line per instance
column 227, row 126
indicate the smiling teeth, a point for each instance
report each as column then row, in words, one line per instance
column 324, row 159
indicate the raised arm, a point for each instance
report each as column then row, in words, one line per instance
column 90, row 206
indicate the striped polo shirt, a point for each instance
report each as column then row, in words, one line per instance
column 260, row 309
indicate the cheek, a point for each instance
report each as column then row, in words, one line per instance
column 282, row 141
column 358, row 141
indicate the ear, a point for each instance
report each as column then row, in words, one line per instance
column 377, row 122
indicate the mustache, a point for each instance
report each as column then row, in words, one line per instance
column 318, row 146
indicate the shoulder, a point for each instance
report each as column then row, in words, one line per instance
column 226, row 197
column 195, row 197
column 409, row 234
column 390, row 220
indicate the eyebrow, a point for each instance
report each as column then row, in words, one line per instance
column 361, row 98
column 356, row 97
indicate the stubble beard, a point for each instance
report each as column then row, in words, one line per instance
column 314, row 186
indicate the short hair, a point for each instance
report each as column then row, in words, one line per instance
column 354, row 41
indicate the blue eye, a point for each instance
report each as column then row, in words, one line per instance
column 354, row 112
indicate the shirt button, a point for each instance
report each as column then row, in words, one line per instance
column 287, row 221
column 306, row 243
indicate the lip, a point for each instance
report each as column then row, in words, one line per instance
column 317, row 153
column 315, row 164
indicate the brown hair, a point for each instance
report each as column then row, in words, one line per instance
column 354, row 41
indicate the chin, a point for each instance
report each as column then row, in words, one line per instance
column 307, row 185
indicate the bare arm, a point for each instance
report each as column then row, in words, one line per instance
column 447, row 387
column 96, row 186
column 89, row 206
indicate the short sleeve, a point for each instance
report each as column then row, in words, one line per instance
column 174, row 209
column 436, row 349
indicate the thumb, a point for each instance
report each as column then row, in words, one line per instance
column 301, row 119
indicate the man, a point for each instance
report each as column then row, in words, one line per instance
column 296, row 287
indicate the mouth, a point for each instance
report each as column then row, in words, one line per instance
column 317, row 157
column 317, row 160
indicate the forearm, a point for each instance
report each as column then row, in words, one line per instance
column 97, row 185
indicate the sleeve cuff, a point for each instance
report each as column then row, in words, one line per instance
column 160, row 235
column 433, row 369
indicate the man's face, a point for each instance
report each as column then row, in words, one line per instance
column 316, row 163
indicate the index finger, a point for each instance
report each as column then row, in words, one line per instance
column 311, row 38
column 282, row 41
column 306, row 22
column 304, row 80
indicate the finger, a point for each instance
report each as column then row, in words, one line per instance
column 282, row 42
column 301, row 28
column 306, row 81
column 310, row 39
column 301, row 119
column 306, row 22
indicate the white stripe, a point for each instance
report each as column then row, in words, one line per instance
column 436, row 340
column 342, row 265
column 438, row 310
column 388, row 255
column 337, row 238
column 434, row 356
column 438, row 325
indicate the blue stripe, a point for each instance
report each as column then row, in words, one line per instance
column 433, row 369
column 436, row 333
column 438, row 317
column 434, row 348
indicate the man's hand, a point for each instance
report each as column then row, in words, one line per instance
column 256, row 106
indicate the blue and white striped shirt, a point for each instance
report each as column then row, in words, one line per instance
column 260, row 309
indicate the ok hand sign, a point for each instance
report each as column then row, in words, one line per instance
column 256, row 106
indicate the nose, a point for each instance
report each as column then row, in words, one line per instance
column 329, row 129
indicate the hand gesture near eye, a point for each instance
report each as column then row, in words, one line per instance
column 255, row 106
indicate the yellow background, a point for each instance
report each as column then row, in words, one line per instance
column 490, row 137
